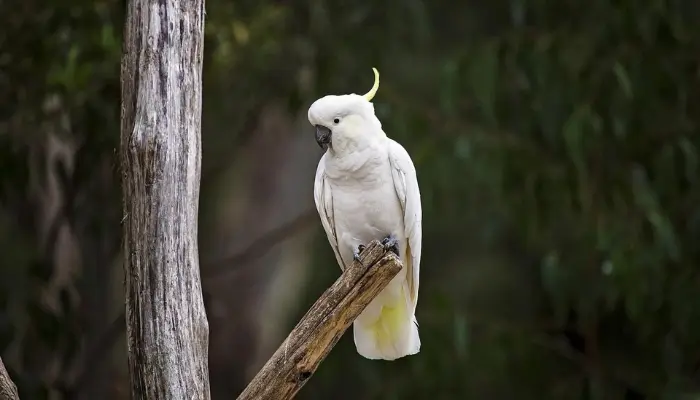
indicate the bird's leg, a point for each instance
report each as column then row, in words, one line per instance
column 391, row 243
column 356, row 253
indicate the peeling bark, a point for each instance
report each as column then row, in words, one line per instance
column 298, row 357
column 167, row 328
column 8, row 390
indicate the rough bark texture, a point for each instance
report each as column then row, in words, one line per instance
column 167, row 328
column 8, row 390
column 320, row 329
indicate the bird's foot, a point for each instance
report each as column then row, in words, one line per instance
column 391, row 243
column 356, row 253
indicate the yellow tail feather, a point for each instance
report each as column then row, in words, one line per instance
column 392, row 334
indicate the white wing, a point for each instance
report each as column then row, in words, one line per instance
column 324, row 204
column 406, row 185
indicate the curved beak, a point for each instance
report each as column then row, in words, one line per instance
column 323, row 137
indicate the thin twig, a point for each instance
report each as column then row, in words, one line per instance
column 258, row 247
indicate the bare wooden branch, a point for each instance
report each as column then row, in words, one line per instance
column 220, row 269
column 8, row 390
column 320, row 329
column 167, row 329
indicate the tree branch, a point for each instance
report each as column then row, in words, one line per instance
column 320, row 329
column 166, row 324
column 8, row 390
column 224, row 268
column 221, row 269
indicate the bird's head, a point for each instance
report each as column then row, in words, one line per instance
column 346, row 122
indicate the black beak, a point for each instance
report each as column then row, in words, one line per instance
column 323, row 136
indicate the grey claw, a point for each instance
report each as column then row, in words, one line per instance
column 356, row 253
column 391, row 243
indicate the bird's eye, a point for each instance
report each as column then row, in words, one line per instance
column 336, row 121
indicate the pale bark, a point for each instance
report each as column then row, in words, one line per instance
column 167, row 328
column 319, row 330
column 8, row 390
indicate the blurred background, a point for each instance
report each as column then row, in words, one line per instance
column 556, row 144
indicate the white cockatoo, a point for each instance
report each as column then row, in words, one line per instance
column 366, row 189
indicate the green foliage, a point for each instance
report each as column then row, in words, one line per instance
column 556, row 146
column 573, row 131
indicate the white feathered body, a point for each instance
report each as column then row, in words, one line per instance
column 364, row 197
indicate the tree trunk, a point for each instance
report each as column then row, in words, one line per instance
column 8, row 390
column 167, row 328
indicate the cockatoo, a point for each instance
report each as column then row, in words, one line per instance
column 366, row 188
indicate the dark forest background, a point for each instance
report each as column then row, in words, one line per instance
column 556, row 144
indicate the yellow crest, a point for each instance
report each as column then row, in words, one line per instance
column 370, row 95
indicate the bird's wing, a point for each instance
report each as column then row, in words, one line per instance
column 324, row 204
column 406, row 185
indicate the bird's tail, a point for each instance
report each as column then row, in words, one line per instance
column 388, row 330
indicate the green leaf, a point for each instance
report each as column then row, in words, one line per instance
column 461, row 335
column 623, row 79
column 574, row 137
column 648, row 203
column 691, row 158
